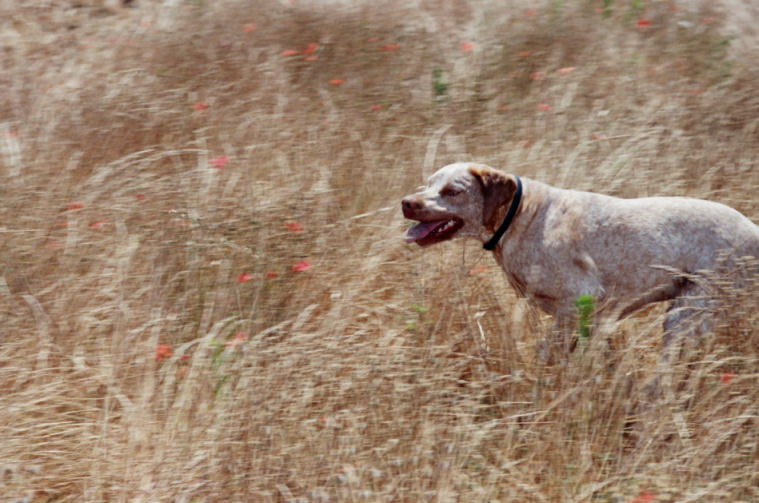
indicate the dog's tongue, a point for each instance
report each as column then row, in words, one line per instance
column 420, row 230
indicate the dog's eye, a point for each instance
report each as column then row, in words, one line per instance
column 450, row 192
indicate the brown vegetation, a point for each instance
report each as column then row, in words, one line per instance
column 152, row 157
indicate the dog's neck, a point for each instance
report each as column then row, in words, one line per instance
column 506, row 220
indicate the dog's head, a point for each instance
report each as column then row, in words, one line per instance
column 460, row 200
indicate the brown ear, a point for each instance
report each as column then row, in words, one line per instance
column 497, row 191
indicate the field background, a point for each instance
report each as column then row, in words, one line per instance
column 204, row 293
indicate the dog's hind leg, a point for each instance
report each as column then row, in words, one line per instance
column 689, row 317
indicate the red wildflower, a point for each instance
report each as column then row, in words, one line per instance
column 644, row 497
column 237, row 340
column 311, row 48
column 290, row 52
column 75, row 206
column 162, row 351
column 643, row 22
column 376, row 107
column 727, row 377
column 200, row 105
column 466, row 46
column 302, row 266
column 294, row 226
column 219, row 162
column 336, row 82
column 98, row 224
column 246, row 276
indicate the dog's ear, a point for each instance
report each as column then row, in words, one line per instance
column 497, row 190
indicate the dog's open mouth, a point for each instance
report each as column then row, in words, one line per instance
column 427, row 233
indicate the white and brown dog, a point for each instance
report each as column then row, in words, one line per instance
column 556, row 244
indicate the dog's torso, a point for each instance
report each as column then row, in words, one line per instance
column 566, row 243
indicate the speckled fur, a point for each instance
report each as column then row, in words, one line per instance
column 564, row 243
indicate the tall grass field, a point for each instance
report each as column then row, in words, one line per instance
column 204, row 291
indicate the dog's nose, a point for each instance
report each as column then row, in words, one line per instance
column 410, row 204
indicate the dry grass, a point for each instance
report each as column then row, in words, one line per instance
column 383, row 373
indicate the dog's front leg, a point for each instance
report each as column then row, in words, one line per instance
column 559, row 343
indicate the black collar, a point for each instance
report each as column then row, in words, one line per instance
column 492, row 242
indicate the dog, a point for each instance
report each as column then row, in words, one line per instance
column 557, row 244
